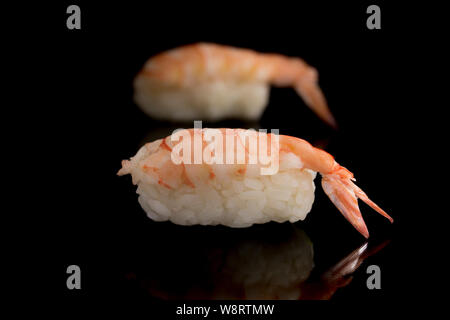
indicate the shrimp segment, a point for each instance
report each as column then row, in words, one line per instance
column 216, row 81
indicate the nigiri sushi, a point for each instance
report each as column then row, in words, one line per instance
column 212, row 82
column 239, row 194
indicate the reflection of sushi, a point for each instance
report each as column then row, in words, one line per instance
column 237, row 264
column 263, row 270
column 247, row 265
column 212, row 82
column 237, row 195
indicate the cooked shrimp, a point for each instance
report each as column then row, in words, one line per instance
column 210, row 81
column 237, row 195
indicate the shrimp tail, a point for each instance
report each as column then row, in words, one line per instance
column 126, row 168
column 311, row 93
column 344, row 194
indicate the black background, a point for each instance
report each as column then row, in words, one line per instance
column 89, row 123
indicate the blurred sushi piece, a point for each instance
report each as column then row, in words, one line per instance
column 213, row 82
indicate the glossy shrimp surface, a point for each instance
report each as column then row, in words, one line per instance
column 155, row 161
column 215, row 81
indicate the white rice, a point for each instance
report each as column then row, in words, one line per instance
column 238, row 202
column 208, row 101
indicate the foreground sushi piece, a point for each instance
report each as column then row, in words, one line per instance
column 213, row 82
column 238, row 195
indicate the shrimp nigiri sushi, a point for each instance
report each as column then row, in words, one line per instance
column 214, row 82
column 241, row 193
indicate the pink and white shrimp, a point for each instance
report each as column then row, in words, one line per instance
column 238, row 195
column 212, row 82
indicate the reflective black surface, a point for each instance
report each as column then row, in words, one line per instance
column 272, row 261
